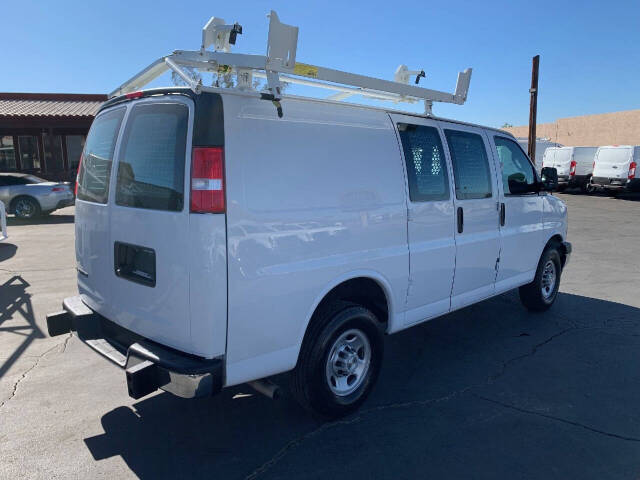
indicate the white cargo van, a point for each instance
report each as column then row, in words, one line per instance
column 574, row 166
column 541, row 146
column 223, row 237
column 615, row 168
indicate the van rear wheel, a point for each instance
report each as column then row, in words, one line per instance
column 339, row 361
column 540, row 294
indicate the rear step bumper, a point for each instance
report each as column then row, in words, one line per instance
column 617, row 183
column 148, row 365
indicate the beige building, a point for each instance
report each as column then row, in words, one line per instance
column 617, row 128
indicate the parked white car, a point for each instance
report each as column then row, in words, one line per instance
column 574, row 166
column 217, row 244
column 615, row 168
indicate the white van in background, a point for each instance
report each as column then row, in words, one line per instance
column 615, row 168
column 574, row 166
column 541, row 146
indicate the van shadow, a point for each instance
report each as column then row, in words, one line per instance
column 13, row 221
column 15, row 302
column 240, row 434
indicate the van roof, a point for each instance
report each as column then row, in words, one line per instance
column 232, row 91
column 618, row 146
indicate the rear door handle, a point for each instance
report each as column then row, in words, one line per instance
column 502, row 214
column 460, row 220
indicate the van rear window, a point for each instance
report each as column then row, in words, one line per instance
column 612, row 156
column 152, row 158
column 95, row 171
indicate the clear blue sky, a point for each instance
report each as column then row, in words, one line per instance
column 590, row 55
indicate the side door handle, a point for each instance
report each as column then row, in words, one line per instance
column 502, row 214
column 460, row 220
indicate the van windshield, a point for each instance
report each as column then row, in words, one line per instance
column 612, row 156
column 152, row 158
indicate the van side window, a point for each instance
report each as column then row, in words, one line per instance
column 152, row 158
column 426, row 167
column 470, row 165
column 517, row 172
column 95, row 171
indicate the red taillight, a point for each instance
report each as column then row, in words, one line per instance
column 133, row 95
column 572, row 168
column 58, row 189
column 207, row 180
column 75, row 190
column 632, row 170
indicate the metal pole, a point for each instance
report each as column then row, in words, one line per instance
column 533, row 108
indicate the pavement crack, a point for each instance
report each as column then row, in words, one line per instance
column 293, row 444
column 533, row 351
column 557, row 419
column 28, row 370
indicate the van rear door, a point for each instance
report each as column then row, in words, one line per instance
column 92, row 211
column 613, row 162
column 149, row 222
column 151, row 253
column 562, row 162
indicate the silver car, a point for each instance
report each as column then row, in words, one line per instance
column 28, row 196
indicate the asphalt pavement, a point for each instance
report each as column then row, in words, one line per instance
column 491, row 391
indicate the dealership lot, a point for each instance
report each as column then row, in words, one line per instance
column 489, row 391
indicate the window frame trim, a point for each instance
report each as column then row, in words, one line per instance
column 115, row 150
column 533, row 168
column 445, row 163
column 180, row 99
column 479, row 131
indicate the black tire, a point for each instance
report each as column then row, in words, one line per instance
column 25, row 207
column 310, row 383
column 533, row 295
column 561, row 188
column 587, row 187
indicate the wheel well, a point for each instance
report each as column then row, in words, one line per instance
column 363, row 291
column 15, row 199
column 556, row 241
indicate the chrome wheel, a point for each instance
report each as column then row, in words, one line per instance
column 24, row 208
column 549, row 276
column 348, row 362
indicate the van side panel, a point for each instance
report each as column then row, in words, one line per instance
column 313, row 198
column 584, row 159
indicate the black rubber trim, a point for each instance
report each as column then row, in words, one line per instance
column 208, row 125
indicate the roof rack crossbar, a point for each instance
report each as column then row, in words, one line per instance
column 279, row 65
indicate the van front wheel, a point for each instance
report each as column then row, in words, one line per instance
column 540, row 294
column 339, row 361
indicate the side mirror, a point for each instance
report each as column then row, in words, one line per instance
column 549, row 179
column 518, row 184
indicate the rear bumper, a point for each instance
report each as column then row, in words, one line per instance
column 148, row 366
column 65, row 203
column 616, row 183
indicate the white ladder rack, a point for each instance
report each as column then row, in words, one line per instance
column 279, row 65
